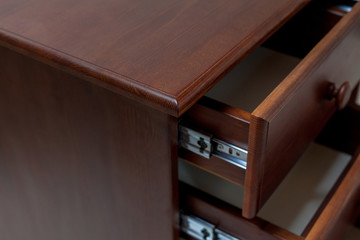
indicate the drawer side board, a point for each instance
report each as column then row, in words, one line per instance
column 295, row 112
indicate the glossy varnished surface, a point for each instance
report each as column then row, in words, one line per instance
column 164, row 53
column 295, row 112
column 80, row 162
column 224, row 122
column 342, row 209
column 228, row 218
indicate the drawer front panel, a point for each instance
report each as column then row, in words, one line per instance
column 294, row 113
column 340, row 210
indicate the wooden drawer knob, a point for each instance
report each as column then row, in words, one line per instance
column 341, row 94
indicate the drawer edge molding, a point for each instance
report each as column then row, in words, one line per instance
column 294, row 113
column 283, row 93
column 342, row 208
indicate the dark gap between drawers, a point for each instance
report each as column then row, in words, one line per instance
column 231, row 193
column 342, row 131
column 228, row 218
column 192, row 118
column 298, row 36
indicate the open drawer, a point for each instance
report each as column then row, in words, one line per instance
column 256, row 144
column 322, row 210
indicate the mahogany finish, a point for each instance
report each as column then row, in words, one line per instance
column 328, row 197
column 289, row 119
column 211, row 116
column 341, row 94
column 295, row 112
column 228, row 218
column 299, row 35
column 76, row 161
column 91, row 93
column 342, row 210
column 225, row 122
column 339, row 211
column 216, row 166
column 165, row 54
column 339, row 132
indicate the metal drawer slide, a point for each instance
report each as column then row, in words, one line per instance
column 205, row 145
column 202, row 230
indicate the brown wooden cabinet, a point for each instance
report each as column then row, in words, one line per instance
column 94, row 95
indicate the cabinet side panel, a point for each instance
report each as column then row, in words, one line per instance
column 80, row 162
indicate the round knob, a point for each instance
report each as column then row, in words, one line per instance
column 341, row 94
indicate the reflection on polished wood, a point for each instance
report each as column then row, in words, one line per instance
column 77, row 161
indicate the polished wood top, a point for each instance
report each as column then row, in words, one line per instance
column 164, row 53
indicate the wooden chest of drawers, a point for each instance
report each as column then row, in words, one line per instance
column 95, row 94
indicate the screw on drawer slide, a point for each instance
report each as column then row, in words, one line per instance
column 202, row 230
column 205, row 145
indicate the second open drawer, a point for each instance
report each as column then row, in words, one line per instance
column 264, row 134
column 319, row 199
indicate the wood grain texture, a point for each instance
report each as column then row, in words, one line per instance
column 297, row 109
column 216, row 166
column 328, row 197
column 228, row 218
column 166, row 54
column 224, row 122
column 80, row 162
column 342, row 210
column 256, row 150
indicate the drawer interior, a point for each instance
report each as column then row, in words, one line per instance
column 305, row 188
column 295, row 201
column 250, row 82
column 226, row 109
column 254, row 79
column 273, row 104
column 292, row 210
column 298, row 36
